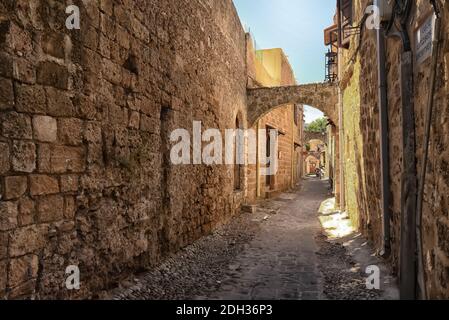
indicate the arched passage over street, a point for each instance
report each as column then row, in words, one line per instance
column 323, row 96
column 315, row 136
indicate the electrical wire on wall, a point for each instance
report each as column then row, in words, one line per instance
column 427, row 133
column 408, row 243
column 401, row 14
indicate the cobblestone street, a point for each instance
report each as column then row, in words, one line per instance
column 280, row 263
column 272, row 254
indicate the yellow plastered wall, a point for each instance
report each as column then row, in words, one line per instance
column 354, row 168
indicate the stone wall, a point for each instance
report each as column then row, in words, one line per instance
column 436, row 193
column 86, row 116
column 282, row 120
column 362, row 168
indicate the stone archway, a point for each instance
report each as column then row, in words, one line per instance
column 308, row 136
column 323, row 96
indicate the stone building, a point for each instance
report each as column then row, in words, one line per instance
column 316, row 152
column 385, row 80
column 271, row 68
column 312, row 162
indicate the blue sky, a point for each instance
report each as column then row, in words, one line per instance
column 297, row 27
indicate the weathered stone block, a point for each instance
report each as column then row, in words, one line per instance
column 85, row 108
column 107, row 7
column 118, row 115
column 3, row 273
column 24, row 71
column 149, row 107
column 95, row 154
column 53, row 75
column 92, row 133
column 4, row 158
column 123, row 37
column 90, row 38
column 6, row 94
column 134, row 120
column 67, row 159
column 50, row 208
column 27, row 240
column 27, row 211
column 22, row 270
column 54, row 44
column 104, row 46
column 16, row 125
column 30, row 99
column 140, row 31
column 112, row 71
column 43, row 185
column 69, row 183
column 443, row 236
column 44, row 158
column 4, row 29
column 8, row 215
column 4, row 246
column 70, row 208
column 45, row 128
column 20, row 40
column 149, row 124
column 59, row 103
column 6, row 65
column 15, row 187
column 23, row 156
column 70, row 131
column 107, row 26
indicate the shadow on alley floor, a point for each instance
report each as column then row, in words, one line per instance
column 280, row 252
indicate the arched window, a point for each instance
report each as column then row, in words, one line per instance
column 237, row 164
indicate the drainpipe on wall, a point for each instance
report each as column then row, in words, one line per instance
column 258, row 193
column 384, row 142
column 422, row 178
column 409, row 175
column 341, row 150
column 293, row 148
column 340, row 110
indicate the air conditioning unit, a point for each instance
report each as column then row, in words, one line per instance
column 385, row 9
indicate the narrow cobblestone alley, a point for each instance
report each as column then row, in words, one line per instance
column 224, row 150
column 273, row 254
column 281, row 261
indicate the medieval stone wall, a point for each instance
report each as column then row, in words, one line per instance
column 362, row 168
column 86, row 117
column 436, row 193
